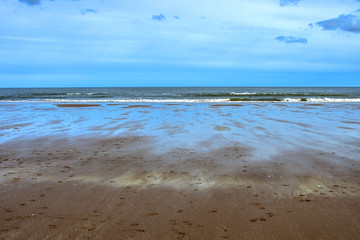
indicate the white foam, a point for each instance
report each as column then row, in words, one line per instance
column 243, row 93
column 333, row 100
column 214, row 100
column 324, row 100
column 291, row 100
column 121, row 100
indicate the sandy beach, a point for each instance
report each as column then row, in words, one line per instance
column 180, row 171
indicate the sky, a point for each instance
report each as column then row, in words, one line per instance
column 133, row 43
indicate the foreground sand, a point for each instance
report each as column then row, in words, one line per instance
column 209, row 171
column 117, row 188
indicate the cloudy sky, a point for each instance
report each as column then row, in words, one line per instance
column 55, row 43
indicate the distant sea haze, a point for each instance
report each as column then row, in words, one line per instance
column 182, row 94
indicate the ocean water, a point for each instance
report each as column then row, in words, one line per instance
column 182, row 94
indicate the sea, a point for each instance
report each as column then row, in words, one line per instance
column 182, row 94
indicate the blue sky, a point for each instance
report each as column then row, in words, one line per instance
column 78, row 43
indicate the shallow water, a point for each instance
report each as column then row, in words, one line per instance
column 266, row 128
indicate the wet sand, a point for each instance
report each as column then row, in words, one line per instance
column 55, row 189
column 132, row 186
